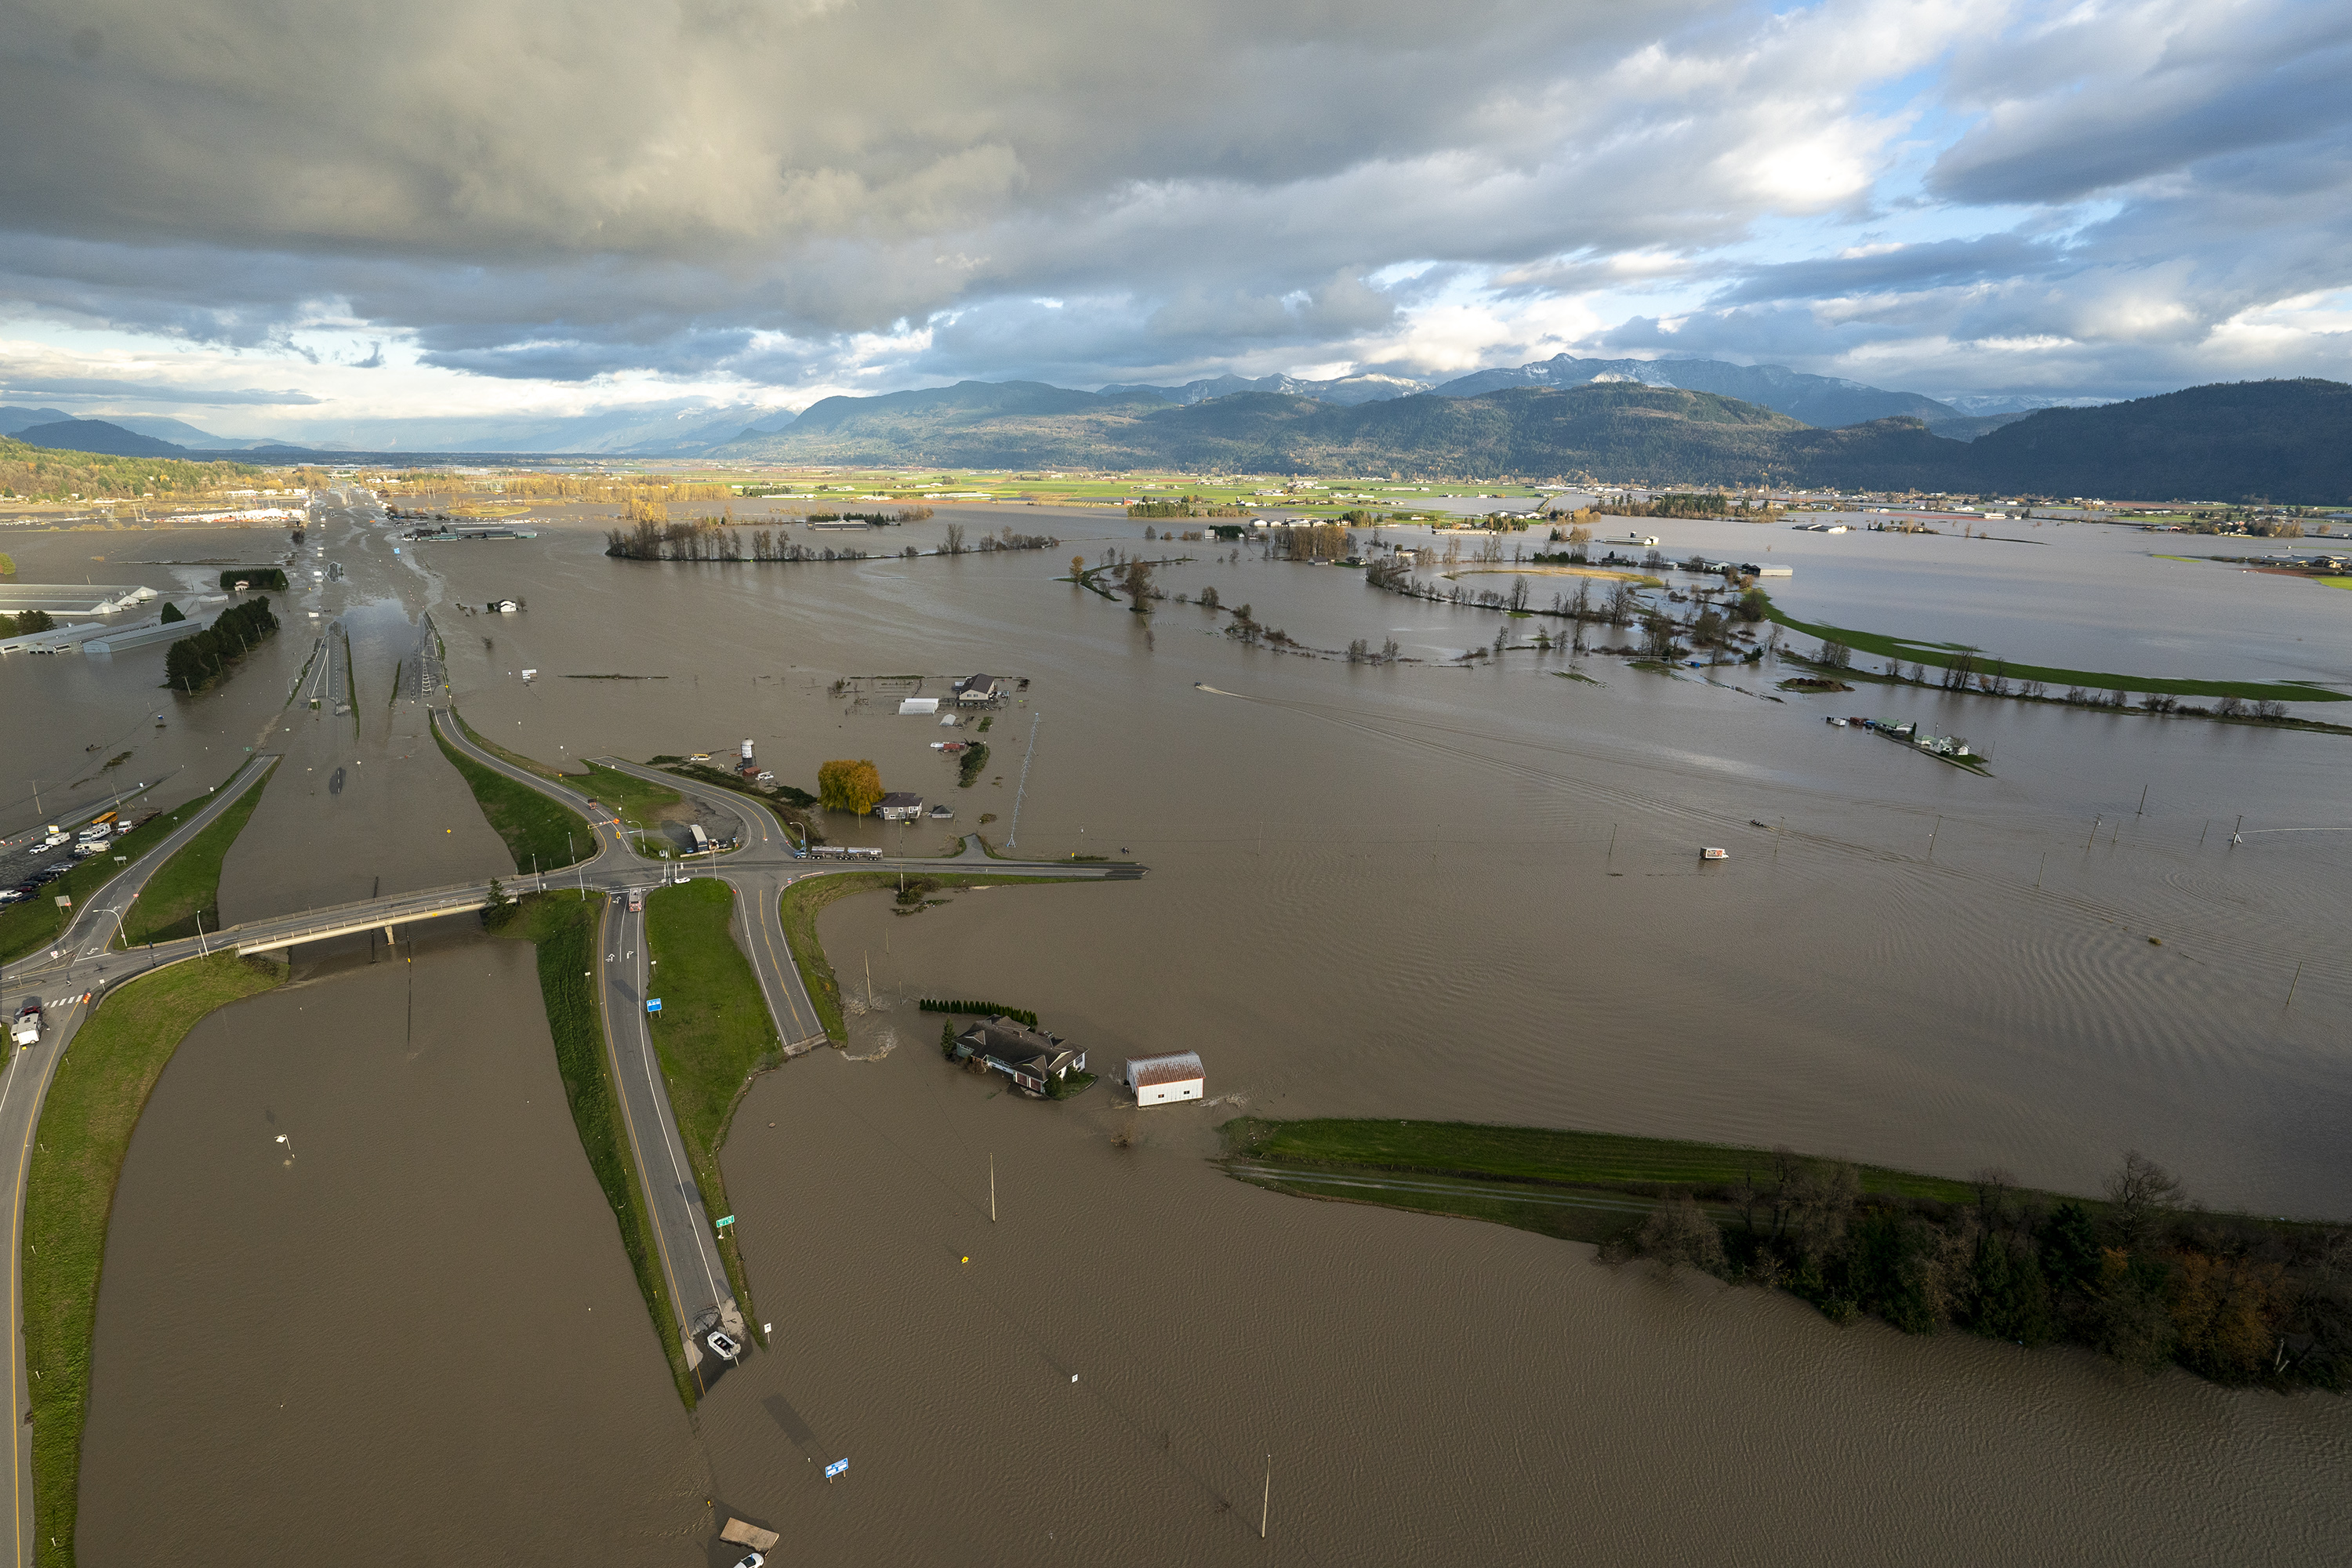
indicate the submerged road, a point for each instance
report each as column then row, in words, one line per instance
column 73, row 977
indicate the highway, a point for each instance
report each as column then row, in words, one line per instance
column 80, row 966
column 73, row 977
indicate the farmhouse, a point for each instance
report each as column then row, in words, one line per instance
column 1026, row 1056
column 900, row 806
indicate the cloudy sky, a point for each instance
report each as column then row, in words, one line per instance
column 330, row 218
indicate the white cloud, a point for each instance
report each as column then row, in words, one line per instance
column 721, row 199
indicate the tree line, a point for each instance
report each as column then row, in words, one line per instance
column 2146, row 1279
column 197, row 661
column 718, row 539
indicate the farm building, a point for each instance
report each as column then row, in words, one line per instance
column 1162, row 1081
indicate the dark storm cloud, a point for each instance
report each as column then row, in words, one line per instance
column 1909, row 266
column 805, row 192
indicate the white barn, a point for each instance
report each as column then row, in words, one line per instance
column 1162, row 1081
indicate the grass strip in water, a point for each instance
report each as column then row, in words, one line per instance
column 1526, row 1177
column 94, row 1101
column 563, row 927
column 187, row 886
column 713, row 1034
column 1945, row 656
column 532, row 824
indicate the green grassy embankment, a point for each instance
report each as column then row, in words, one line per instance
column 531, row 825
column 563, row 927
column 713, row 1034
column 639, row 803
column 1944, row 656
column 1497, row 1173
column 93, row 1103
column 806, row 899
column 188, row 886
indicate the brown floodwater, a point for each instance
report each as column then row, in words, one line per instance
column 417, row 1341
column 1418, row 891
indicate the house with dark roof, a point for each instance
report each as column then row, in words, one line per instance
column 900, row 806
column 977, row 690
column 1031, row 1058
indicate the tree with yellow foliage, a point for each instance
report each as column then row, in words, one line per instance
column 852, row 786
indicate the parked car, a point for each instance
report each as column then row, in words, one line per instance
column 753, row 1559
column 725, row 1349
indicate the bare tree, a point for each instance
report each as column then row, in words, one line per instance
column 1681, row 1232
column 954, row 545
column 2141, row 1191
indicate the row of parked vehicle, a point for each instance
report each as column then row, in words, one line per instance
column 93, row 836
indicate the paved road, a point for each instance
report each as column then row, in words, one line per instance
column 683, row 1234
column 82, row 966
column 612, row 844
column 74, row 976
column 759, row 872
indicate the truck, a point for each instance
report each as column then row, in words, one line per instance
column 701, row 840
column 26, row 1029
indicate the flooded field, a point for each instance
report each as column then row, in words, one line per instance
column 1420, row 890
column 418, row 1340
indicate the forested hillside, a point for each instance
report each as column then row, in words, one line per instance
column 43, row 473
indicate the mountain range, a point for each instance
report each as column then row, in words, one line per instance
column 2288, row 441
column 693, row 429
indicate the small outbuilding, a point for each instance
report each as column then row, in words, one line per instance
column 1163, row 1081
column 919, row 705
column 900, row 806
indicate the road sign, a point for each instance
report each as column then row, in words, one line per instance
column 835, row 1468
column 64, row 902
column 723, row 1223
column 653, row 1004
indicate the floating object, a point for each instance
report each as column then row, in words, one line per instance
column 1711, row 853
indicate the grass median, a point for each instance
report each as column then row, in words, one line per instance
column 93, row 1103
column 186, row 889
column 713, row 1034
column 640, row 803
column 537, row 830
column 564, row 928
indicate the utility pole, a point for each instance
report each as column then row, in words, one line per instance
column 2143, row 802
column 1265, row 1503
column 992, row 1189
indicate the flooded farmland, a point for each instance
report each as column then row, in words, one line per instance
column 1420, row 889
